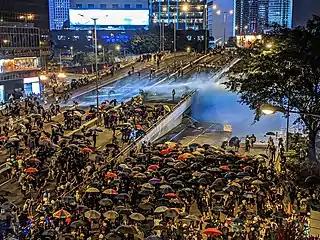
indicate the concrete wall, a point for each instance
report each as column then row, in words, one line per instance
column 168, row 123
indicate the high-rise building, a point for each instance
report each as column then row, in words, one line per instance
column 256, row 16
column 189, row 15
column 58, row 13
column 280, row 12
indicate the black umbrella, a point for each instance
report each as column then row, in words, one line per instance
column 49, row 233
column 106, row 202
column 232, row 141
column 112, row 236
column 312, row 180
column 125, row 229
column 77, row 224
column 122, row 196
column 146, row 206
column 270, row 134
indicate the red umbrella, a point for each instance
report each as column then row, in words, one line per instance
column 165, row 151
column 153, row 167
column 138, row 109
column 31, row 170
column 111, row 175
column 171, row 195
column 90, row 114
column 139, row 127
column 225, row 168
column 212, row 232
column 61, row 214
column 86, row 150
column 3, row 138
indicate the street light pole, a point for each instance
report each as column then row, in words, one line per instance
column 205, row 28
column 96, row 58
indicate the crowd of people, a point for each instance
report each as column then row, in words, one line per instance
column 40, row 156
column 167, row 191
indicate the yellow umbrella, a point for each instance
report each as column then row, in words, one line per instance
column 201, row 150
column 92, row 190
column 167, row 108
column 196, row 153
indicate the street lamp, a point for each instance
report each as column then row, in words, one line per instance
column 225, row 15
column 185, row 9
column 118, row 48
column 268, row 109
column 101, row 47
column 96, row 56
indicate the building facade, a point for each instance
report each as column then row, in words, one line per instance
column 255, row 16
column 20, row 53
column 189, row 15
column 58, row 13
column 280, row 12
column 109, row 4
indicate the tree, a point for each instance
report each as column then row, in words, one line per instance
column 287, row 75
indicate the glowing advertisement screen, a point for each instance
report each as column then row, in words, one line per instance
column 83, row 17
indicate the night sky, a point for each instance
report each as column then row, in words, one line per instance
column 303, row 9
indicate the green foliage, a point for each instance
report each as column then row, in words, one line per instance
column 288, row 74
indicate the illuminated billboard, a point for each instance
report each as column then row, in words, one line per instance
column 115, row 17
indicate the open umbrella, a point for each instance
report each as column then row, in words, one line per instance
column 110, row 191
column 180, row 165
column 31, row 170
column 257, row 182
column 111, row 215
column 122, row 196
column 49, row 233
column 154, row 181
column 111, row 175
column 148, row 186
column 270, row 134
column 86, row 150
column 172, row 213
column 137, row 217
column 224, row 168
column 61, row 214
column 146, row 206
column 92, row 190
column 77, row 224
column 125, row 229
column 153, row 167
column 112, row 236
column 106, row 202
column 92, row 214
column 212, row 232
column 161, row 209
